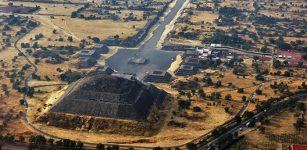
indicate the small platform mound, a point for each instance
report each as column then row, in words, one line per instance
column 110, row 96
column 138, row 60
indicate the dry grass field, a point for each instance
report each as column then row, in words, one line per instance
column 10, row 108
column 98, row 28
column 199, row 16
column 48, row 9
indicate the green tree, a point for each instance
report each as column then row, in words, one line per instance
column 259, row 92
column 218, row 84
column 80, row 145
column 100, row 147
column 299, row 123
column 184, row 104
column 201, row 93
column 248, row 114
column 208, row 81
column 50, row 142
column 215, row 95
column 196, row 109
column 240, row 90
column 189, row 95
column 96, row 39
column 238, row 119
column 113, row 147
column 70, row 39
column 193, row 91
column 287, row 73
column 2, row 141
column 244, row 98
column 191, row 146
column 158, row 148
column 228, row 97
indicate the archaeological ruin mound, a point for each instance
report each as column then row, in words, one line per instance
column 110, row 96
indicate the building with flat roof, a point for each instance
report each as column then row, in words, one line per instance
column 215, row 45
column 101, row 48
column 185, row 70
column 298, row 147
column 104, row 70
column 88, row 58
column 292, row 57
column 88, row 53
column 84, row 62
column 203, row 51
column 191, row 53
column 190, row 61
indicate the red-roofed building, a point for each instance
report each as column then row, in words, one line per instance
column 293, row 58
column 298, row 147
column 265, row 58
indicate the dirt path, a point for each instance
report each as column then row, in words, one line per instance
column 53, row 25
column 69, row 31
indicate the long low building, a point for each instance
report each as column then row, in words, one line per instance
column 189, row 61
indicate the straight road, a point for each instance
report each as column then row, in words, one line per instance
column 156, row 58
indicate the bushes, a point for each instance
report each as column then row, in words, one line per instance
column 182, row 104
column 54, row 58
column 228, row 97
column 229, row 11
column 225, row 39
column 176, row 124
column 259, row 92
column 191, row 146
column 299, row 123
column 25, row 45
column 70, row 76
column 265, row 20
column 240, row 90
column 215, row 96
column 196, row 109
column 287, row 73
column 186, row 85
